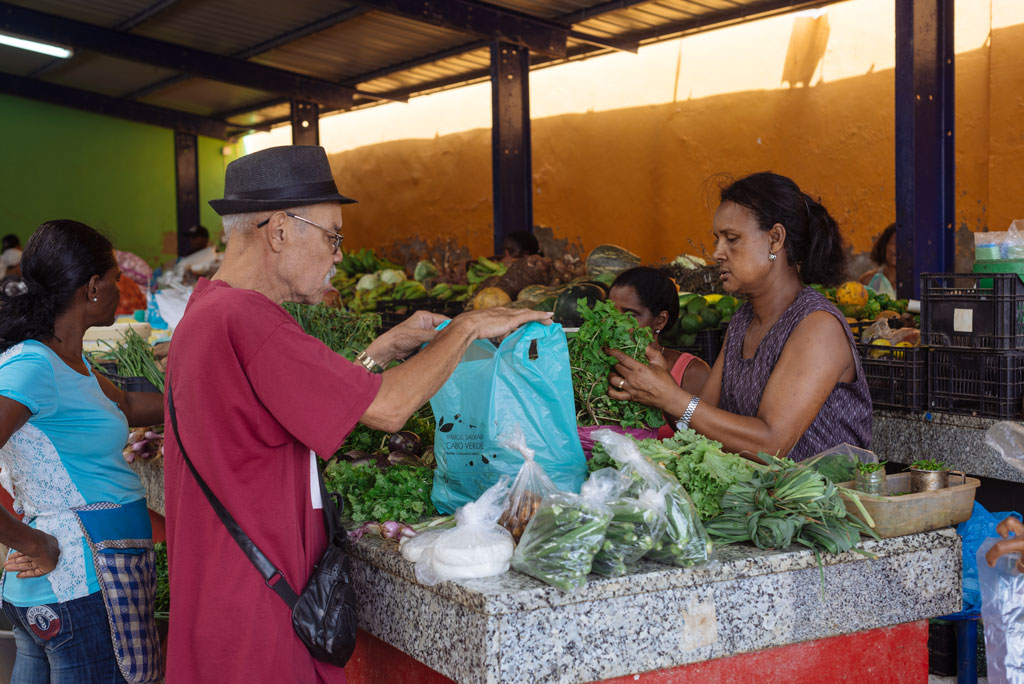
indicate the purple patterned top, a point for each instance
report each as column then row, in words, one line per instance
column 846, row 415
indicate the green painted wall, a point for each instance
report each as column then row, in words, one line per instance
column 115, row 175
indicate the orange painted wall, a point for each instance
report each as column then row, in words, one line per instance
column 638, row 177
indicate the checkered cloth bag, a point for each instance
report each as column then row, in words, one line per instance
column 126, row 570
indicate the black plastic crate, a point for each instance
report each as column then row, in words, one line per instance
column 397, row 310
column 897, row 376
column 130, row 384
column 706, row 347
column 957, row 312
column 977, row 383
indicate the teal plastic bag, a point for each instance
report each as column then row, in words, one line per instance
column 524, row 381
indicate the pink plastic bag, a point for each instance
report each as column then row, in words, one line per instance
column 587, row 440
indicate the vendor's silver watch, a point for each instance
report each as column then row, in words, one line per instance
column 684, row 422
column 367, row 362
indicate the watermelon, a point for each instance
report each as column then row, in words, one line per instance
column 606, row 261
column 567, row 305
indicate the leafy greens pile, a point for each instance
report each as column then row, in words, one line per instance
column 699, row 463
column 344, row 332
column 605, row 327
column 400, row 493
column 788, row 503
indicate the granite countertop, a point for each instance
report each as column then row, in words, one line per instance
column 959, row 441
column 513, row 628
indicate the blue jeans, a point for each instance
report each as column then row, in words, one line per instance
column 64, row 643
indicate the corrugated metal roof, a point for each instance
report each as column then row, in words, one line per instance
column 337, row 42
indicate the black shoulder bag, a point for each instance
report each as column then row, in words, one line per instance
column 324, row 614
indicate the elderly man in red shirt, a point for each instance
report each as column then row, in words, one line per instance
column 258, row 400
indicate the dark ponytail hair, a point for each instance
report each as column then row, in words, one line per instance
column 60, row 257
column 655, row 290
column 813, row 242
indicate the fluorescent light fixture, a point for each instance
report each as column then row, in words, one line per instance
column 33, row 46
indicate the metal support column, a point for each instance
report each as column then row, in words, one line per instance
column 925, row 233
column 186, row 172
column 305, row 123
column 510, row 141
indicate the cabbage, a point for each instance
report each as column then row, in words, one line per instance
column 369, row 281
column 391, row 276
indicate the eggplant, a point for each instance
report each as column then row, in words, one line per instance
column 357, row 455
column 404, row 458
column 406, row 441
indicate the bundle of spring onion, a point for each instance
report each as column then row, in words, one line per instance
column 134, row 358
column 789, row 503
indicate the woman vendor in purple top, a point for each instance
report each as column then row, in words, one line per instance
column 788, row 380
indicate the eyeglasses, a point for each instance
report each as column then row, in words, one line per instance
column 336, row 237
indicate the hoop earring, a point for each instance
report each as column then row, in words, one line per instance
column 771, row 256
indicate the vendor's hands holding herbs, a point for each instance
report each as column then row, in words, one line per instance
column 650, row 385
column 1009, row 544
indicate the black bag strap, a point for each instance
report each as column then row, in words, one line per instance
column 262, row 564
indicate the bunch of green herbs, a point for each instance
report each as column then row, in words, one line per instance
column 605, row 327
column 789, row 503
column 400, row 492
column 134, row 359
column 344, row 332
column 929, row 464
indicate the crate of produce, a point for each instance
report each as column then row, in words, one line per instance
column 897, row 376
column 956, row 311
column 901, row 513
column 989, row 384
column 706, row 345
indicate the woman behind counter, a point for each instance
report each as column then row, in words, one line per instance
column 652, row 298
column 62, row 429
column 788, row 380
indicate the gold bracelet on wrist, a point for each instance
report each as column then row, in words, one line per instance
column 367, row 362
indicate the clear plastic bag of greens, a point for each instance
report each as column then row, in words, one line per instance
column 839, row 464
column 561, row 539
column 638, row 523
column 529, row 488
column 1002, row 609
column 476, row 547
column 685, row 542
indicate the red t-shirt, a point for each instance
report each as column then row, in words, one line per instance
column 254, row 395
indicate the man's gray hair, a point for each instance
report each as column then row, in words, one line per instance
column 242, row 223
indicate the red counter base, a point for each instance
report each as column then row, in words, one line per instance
column 893, row 655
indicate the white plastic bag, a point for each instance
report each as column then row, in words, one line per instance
column 1002, row 609
column 1008, row 441
column 531, row 485
column 476, row 547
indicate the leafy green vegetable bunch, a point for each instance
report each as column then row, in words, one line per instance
column 344, row 332
column 699, row 463
column 400, row 493
column 605, row 327
column 786, row 504
column 929, row 464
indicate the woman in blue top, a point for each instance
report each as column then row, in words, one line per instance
column 80, row 615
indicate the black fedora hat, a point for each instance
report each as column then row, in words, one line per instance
column 278, row 178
